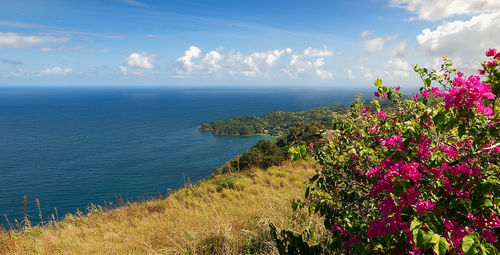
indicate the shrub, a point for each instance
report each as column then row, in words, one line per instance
column 225, row 182
column 420, row 179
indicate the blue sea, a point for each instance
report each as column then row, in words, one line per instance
column 70, row 147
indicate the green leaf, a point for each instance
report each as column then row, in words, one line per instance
column 435, row 238
column 488, row 249
column 414, row 224
column 439, row 118
column 441, row 246
column 378, row 82
column 469, row 243
column 428, row 82
column 423, row 238
column 307, row 193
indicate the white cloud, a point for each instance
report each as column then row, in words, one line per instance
column 267, row 64
column 396, row 67
column 185, row 63
column 141, row 60
column 315, row 52
column 55, row 71
column 374, row 45
column 366, row 72
column 350, row 74
column 325, row 75
column 366, row 33
column 211, row 61
column 398, row 50
column 301, row 65
column 259, row 63
column 436, row 10
column 123, row 70
column 15, row 40
column 463, row 41
column 391, row 69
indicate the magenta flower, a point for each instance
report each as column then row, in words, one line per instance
column 425, row 94
column 491, row 52
column 363, row 111
column 469, row 93
column 377, row 228
column 382, row 115
column 481, row 71
column 423, row 205
column 311, row 145
column 398, row 88
column 489, row 235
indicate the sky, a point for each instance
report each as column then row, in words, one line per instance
column 239, row 43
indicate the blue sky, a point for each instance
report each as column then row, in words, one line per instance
column 238, row 43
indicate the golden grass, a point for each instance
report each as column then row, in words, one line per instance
column 224, row 214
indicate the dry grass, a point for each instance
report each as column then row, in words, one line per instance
column 226, row 214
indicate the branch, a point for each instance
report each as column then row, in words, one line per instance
column 475, row 153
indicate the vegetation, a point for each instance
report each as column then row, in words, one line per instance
column 421, row 179
column 274, row 123
column 223, row 214
column 272, row 153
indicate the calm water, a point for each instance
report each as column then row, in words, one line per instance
column 72, row 147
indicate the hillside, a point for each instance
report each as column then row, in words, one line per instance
column 223, row 214
column 274, row 123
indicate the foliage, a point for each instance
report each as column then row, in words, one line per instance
column 271, row 153
column 225, row 182
column 420, row 179
column 274, row 123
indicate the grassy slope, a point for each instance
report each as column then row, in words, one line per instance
column 204, row 218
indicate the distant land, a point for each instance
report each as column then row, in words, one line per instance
column 272, row 124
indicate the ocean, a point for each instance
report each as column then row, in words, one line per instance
column 70, row 147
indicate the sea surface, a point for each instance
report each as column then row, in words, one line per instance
column 70, row 147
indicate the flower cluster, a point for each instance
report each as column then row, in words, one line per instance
column 419, row 178
column 467, row 93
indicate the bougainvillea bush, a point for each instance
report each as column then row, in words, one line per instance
column 419, row 178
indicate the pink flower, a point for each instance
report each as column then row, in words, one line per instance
column 448, row 225
column 489, row 235
column 469, row 93
column 376, row 94
column 398, row 88
column 363, row 111
column 352, row 240
column 382, row 115
column 423, row 205
column 416, row 96
column 407, row 198
column 375, row 129
column 491, row 52
column 311, row 145
column 425, row 94
column 377, row 228
column 481, row 71
column 497, row 56
column 449, row 150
